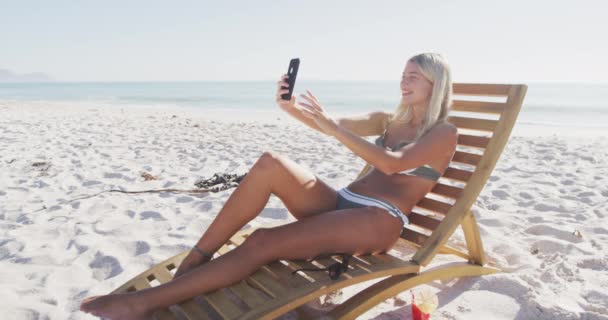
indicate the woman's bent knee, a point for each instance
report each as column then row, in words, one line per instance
column 267, row 160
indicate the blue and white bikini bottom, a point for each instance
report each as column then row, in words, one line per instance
column 349, row 199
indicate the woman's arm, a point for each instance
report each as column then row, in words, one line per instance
column 296, row 112
column 364, row 125
column 370, row 124
column 441, row 138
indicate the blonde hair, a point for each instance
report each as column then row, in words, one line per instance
column 435, row 68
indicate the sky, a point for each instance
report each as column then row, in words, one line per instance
column 484, row 41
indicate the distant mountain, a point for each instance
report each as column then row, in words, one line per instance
column 9, row 76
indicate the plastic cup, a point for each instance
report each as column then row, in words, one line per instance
column 424, row 302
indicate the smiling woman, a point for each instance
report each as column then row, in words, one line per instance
column 367, row 217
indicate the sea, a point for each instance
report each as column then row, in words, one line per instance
column 562, row 106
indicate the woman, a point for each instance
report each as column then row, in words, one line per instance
column 364, row 218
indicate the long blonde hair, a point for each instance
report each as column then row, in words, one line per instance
column 435, row 68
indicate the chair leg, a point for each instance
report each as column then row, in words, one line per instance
column 392, row 286
column 473, row 239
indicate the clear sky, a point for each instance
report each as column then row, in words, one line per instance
column 484, row 41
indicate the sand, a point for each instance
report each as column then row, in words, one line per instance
column 542, row 215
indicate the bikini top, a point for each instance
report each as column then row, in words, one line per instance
column 425, row 171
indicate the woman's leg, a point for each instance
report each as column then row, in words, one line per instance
column 356, row 231
column 301, row 191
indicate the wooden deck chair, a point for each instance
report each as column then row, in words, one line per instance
column 484, row 128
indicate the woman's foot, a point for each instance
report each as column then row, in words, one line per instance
column 116, row 307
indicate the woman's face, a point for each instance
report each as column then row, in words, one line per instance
column 415, row 88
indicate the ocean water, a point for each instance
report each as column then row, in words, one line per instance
column 547, row 104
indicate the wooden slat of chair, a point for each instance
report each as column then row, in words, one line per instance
column 386, row 260
column 423, row 220
column 478, row 106
column 413, row 236
column 363, row 261
column 481, row 89
column 473, row 141
column 283, row 273
column 299, row 296
column 190, row 308
column 267, row 283
column 356, row 267
column 163, row 314
column 434, row 205
column 457, row 174
column 466, row 158
column 364, row 264
column 317, row 276
column 222, row 304
column 250, row 296
column 446, row 190
column 473, row 123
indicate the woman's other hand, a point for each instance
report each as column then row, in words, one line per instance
column 286, row 105
column 191, row 261
column 315, row 111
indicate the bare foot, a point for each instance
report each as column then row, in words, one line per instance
column 115, row 307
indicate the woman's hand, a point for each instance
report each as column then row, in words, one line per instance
column 315, row 111
column 191, row 261
column 286, row 105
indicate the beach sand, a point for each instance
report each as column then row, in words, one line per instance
column 542, row 215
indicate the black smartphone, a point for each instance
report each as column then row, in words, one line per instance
column 292, row 73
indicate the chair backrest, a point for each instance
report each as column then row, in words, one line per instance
column 485, row 115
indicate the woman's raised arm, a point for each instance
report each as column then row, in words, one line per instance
column 370, row 124
column 290, row 106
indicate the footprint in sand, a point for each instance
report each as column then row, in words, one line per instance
column 90, row 183
column 597, row 302
column 24, row 313
column 39, row 184
column 203, row 205
column 586, row 194
column 567, row 182
column 136, row 248
column 141, row 247
column 525, row 195
column 184, row 199
column 492, row 222
column 79, row 248
column 502, row 195
column 548, row 247
column 545, row 207
column 597, row 264
column 151, row 215
column 116, row 175
column 545, row 230
column 105, row 267
column 535, row 219
column 8, row 248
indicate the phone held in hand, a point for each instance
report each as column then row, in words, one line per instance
column 292, row 73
